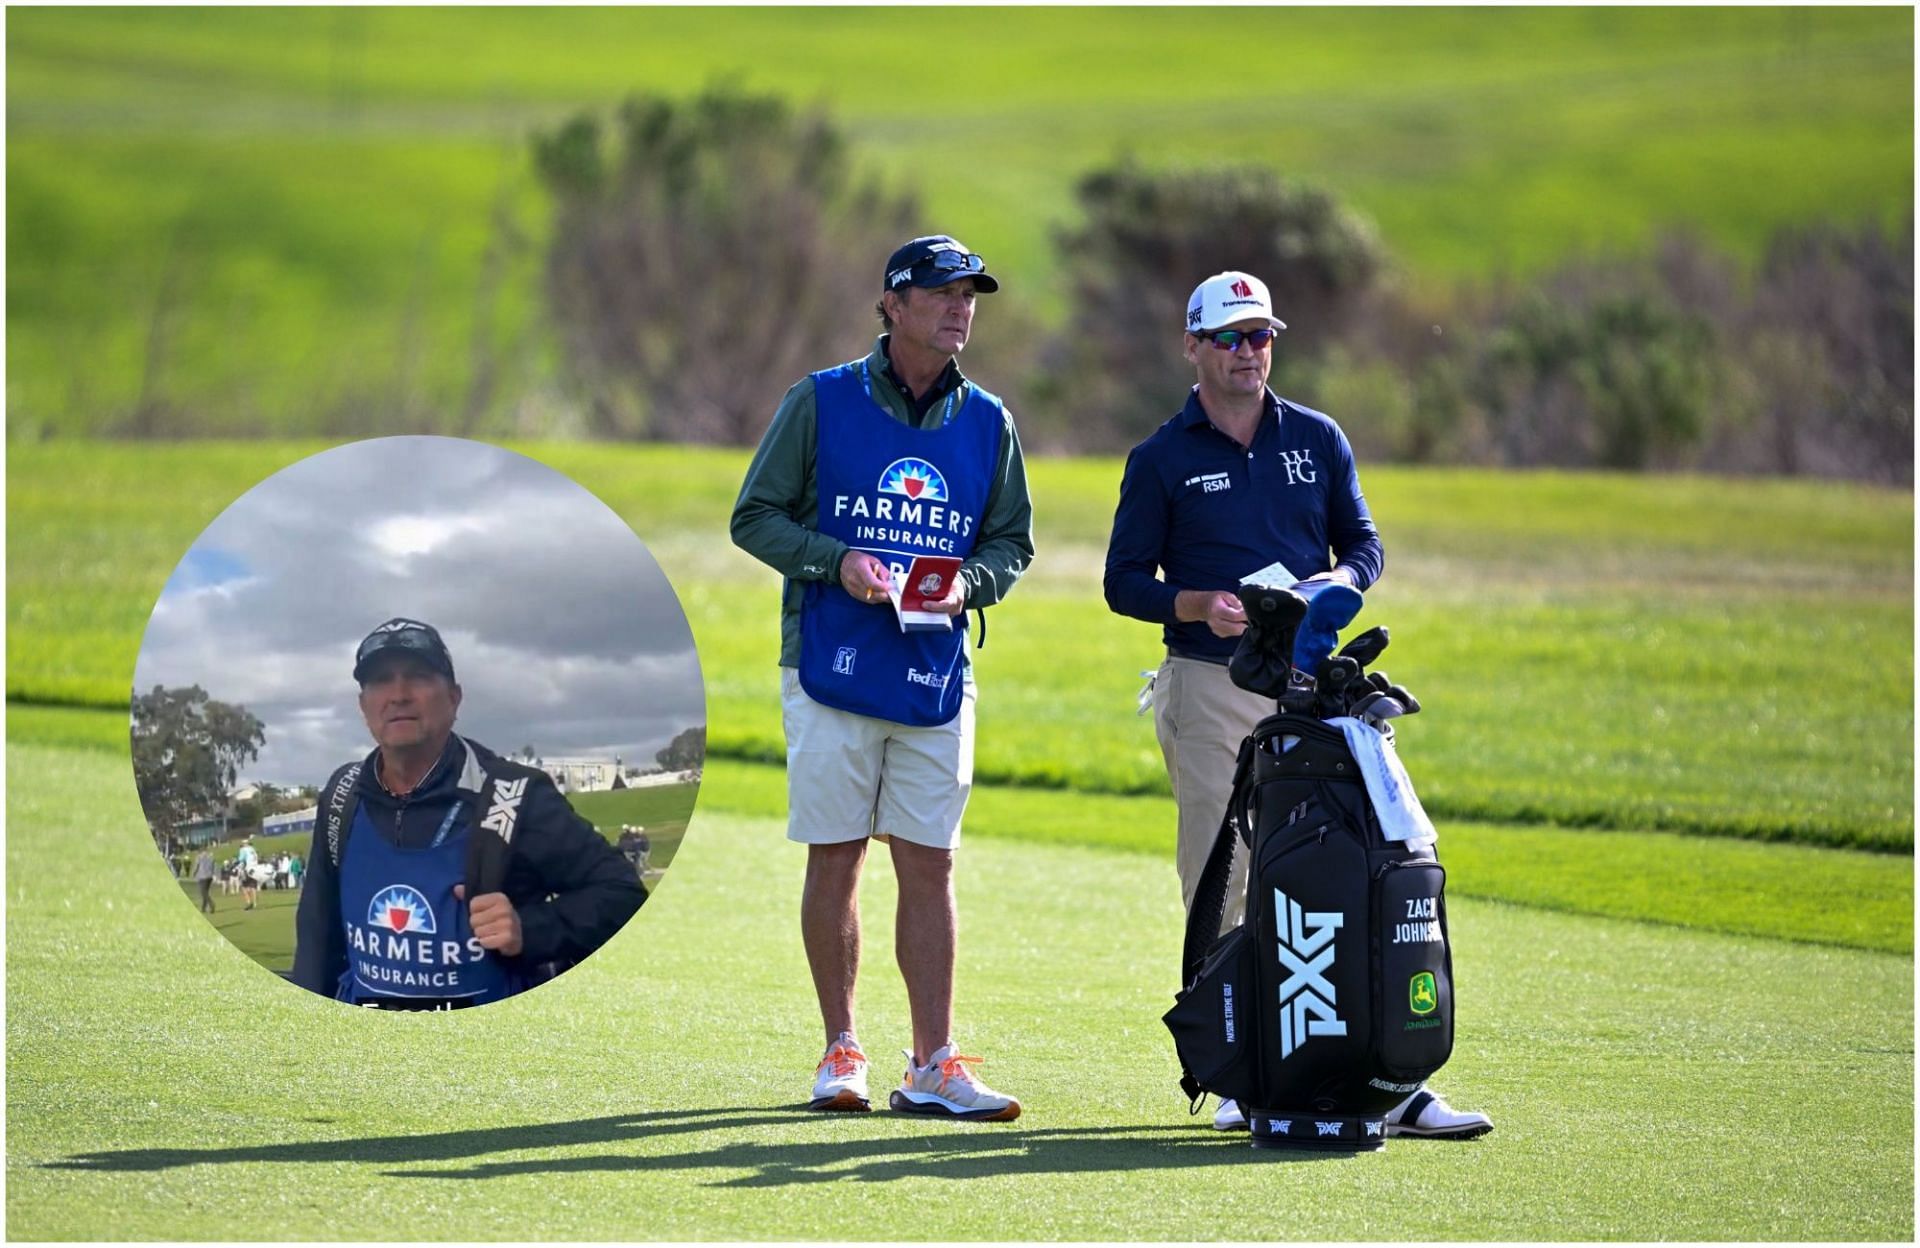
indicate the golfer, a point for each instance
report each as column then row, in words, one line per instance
column 1238, row 480
column 248, row 857
column 386, row 918
column 203, row 876
column 864, row 467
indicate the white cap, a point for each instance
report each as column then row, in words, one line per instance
column 1228, row 297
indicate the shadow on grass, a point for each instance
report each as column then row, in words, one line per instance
column 936, row 1149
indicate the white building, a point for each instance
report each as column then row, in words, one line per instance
column 583, row 775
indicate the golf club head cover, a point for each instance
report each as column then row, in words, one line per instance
column 1263, row 662
column 1336, row 674
column 1368, row 646
column 1331, row 606
column 1337, row 671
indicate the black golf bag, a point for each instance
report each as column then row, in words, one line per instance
column 1334, row 1001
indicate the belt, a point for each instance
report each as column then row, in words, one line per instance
column 1218, row 660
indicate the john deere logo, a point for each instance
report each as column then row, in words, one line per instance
column 1422, row 996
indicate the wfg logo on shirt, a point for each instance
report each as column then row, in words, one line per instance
column 401, row 908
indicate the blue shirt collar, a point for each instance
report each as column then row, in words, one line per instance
column 1193, row 415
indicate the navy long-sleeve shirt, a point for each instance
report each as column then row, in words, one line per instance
column 1199, row 511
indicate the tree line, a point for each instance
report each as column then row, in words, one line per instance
column 707, row 252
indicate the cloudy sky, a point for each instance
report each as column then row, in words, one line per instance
column 564, row 632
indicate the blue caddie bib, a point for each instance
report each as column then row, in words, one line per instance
column 894, row 492
column 407, row 935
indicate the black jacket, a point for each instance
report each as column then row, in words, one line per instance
column 572, row 890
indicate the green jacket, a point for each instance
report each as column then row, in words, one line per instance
column 778, row 507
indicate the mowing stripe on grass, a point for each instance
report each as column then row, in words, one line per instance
column 161, row 1086
column 1631, row 653
column 1791, row 892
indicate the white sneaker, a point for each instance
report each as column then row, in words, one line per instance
column 1427, row 1116
column 1228, row 1117
column 945, row 1087
column 840, row 1081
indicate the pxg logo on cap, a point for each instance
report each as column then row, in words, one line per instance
column 935, row 260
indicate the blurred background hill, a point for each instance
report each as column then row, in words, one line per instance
column 1632, row 238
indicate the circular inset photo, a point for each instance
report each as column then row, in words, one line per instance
column 418, row 723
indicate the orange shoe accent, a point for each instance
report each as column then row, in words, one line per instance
column 840, row 1060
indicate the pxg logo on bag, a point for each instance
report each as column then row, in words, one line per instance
column 1306, row 947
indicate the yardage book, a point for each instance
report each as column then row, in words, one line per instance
column 1274, row 576
column 926, row 581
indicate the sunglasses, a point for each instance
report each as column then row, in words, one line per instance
column 400, row 639
column 938, row 262
column 1230, row 339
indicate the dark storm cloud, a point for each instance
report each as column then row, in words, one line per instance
column 564, row 631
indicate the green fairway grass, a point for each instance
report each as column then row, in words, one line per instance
column 264, row 933
column 263, row 220
column 1807, row 894
column 663, row 810
column 1647, row 1082
column 1633, row 653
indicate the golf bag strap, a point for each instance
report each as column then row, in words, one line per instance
column 1210, row 894
column 496, row 814
column 1210, row 897
column 341, row 800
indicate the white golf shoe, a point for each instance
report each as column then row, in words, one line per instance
column 1228, row 1117
column 944, row 1087
column 840, row 1081
column 1426, row 1116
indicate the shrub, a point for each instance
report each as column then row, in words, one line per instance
column 706, row 257
column 1148, row 239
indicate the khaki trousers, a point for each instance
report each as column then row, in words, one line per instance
column 1201, row 717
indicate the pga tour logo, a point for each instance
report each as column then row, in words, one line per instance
column 915, row 479
column 843, row 661
column 401, row 908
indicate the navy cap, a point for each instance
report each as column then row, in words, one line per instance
column 404, row 636
column 936, row 260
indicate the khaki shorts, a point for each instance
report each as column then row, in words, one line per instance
column 853, row 776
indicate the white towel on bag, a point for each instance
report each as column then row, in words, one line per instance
column 1401, row 816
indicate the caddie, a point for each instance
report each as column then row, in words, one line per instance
column 864, row 467
column 442, row 875
column 1238, row 480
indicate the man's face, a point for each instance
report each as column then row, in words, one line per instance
column 1241, row 371
column 936, row 320
column 406, row 703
